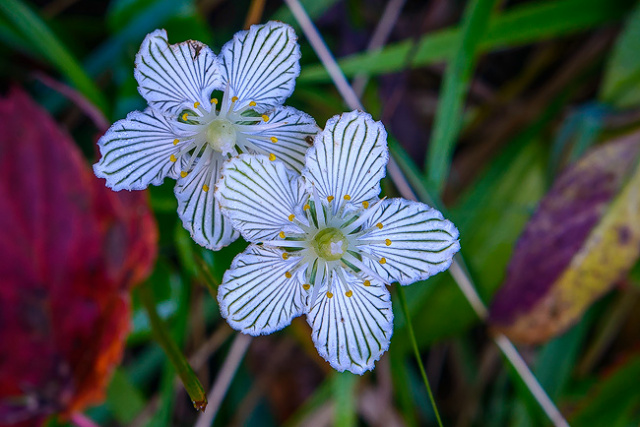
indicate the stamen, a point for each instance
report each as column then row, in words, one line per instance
column 196, row 105
column 274, row 139
column 291, row 217
column 282, row 236
column 265, row 117
column 285, row 255
column 379, row 225
column 234, row 99
column 366, row 283
column 383, row 260
column 175, row 141
column 365, row 204
column 173, row 158
column 306, row 286
column 183, row 174
column 306, row 207
column 272, row 157
column 184, row 116
column 252, row 104
column 387, row 242
column 329, row 295
column 287, row 275
column 330, row 198
column 347, row 197
column 205, row 188
column 349, row 293
column 214, row 101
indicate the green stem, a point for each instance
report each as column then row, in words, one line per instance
column 414, row 344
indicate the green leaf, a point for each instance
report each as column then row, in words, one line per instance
column 124, row 399
column 36, row 32
column 344, row 392
column 525, row 24
column 448, row 122
column 189, row 379
column 621, row 82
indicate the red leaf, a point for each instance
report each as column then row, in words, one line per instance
column 69, row 251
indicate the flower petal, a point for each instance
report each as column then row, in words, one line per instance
column 136, row 151
column 261, row 64
column 174, row 77
column 259, row 196
column 352, row 325
column 348, row 158
column 257, row 296
column 293, row 138
column 197, row 208
column 420, row 241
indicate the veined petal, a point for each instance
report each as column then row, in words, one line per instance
column 292, row 139
column 352, row 324
column 410, row 241
column 197, row 208
column 136, row 151
column 348, row 158
column 261, row 64
column 259, row 196
column 261, row 293
column 174, row 77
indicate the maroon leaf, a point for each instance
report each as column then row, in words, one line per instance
column 69, row 251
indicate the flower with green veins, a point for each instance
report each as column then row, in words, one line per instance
column 187, row 134
column 324, row 244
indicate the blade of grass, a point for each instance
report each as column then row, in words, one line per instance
column 344, row 389
column 416, row 352
column 185, row 372
column 447, row 123
column 460, row 275
column 520, row 25
column 34, row 30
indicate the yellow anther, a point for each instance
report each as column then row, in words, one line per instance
column 183, row 174
column 252, row 104
column 274, row 139
column 234, row 99
column 306, row 286
column 383, row 260
column 196, row 105
column 365, row 204
column 367, row 283
column 379, row 225
column 184, row 116
column 175, row 141
column 329, row 295
column 173, row 158
column 272, row 157
column 387, row 242
column 285, row 255
column 265, row 117
column 281, row 235
column 287, row 275
column 214, row 101
column 347, row 197
column 306, row 207
column 205, row 188
column 330, row 198
column 349, row 294
column 291, row 217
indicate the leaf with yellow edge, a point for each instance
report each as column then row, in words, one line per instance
column 583, row 238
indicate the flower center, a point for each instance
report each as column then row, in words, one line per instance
column 221, row 136
column 330, row 244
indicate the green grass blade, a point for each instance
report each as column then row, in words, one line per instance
column 185, row 372
column 448, row 121
column 38, row 34
column 520, row 25
column 344, row 388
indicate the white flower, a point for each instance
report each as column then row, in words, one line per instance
column 329, row 246
column 186, row 134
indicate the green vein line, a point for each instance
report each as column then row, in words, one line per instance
column 416, row 352
column 448, row 119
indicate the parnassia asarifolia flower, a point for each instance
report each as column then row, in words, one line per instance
column 325, row 245
column 186, row 133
